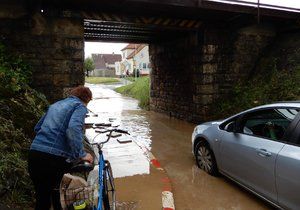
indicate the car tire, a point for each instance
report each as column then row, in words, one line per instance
column 205, row 158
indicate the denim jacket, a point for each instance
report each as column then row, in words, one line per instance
column 60, row 130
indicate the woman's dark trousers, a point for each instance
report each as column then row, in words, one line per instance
column 46, row 172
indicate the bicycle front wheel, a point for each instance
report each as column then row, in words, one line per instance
column 109, row 193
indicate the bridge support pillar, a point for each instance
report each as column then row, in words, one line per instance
column 191, row 73
column 52, row 43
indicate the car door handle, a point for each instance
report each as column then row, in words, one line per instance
column 263, row 153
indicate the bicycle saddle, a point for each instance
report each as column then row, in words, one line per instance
column 82, row 166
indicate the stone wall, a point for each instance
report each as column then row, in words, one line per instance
column 190, row 74
column 171, row 78
column 52, row 43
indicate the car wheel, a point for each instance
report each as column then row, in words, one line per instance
column 205, row 158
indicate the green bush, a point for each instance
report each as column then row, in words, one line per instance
column 277, row 85
column 140, row 89
column 14, row 73
column 15, row 185
column 20, row 109
column 24, row 109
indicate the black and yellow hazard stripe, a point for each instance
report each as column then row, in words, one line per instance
column 159, row 21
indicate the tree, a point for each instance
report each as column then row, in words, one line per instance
column 88, row 65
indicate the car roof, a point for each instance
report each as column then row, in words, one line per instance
column 280, row 104
column 292, row 104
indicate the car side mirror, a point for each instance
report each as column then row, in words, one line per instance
column 230, row 127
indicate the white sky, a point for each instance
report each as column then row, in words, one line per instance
column 107, row 47
column 285, row 3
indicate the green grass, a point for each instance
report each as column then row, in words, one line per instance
column 132, row 79
column 140, row 89
column 101, row 80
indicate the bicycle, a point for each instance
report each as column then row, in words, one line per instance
column 104, row 185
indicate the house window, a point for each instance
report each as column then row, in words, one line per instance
column 144, row 65
column 140, row 65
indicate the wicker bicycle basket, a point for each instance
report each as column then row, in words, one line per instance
column 80, row 198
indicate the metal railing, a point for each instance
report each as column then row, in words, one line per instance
column 257, row 4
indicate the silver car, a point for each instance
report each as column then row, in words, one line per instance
column 258, row 148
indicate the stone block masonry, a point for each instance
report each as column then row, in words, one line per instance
column 190, row 74
column 52, row 44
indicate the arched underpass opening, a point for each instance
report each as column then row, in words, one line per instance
column 169, row 39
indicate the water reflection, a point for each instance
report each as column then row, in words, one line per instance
column 126, row 159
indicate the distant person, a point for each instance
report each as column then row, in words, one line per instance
column 57, row 143
column 127, row 73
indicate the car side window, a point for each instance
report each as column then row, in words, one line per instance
column 269, row 123
column 229, row 125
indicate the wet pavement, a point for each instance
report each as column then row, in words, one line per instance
column 139, row 184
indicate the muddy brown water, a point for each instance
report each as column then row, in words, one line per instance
column 169, row 140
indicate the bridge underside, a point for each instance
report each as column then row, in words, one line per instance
column 157, row 21
column 198, row 50
column 154, row 20
column 128, row 32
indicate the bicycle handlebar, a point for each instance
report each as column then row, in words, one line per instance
column 110, row 131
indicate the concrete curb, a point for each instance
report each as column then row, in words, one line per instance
column 166, row 195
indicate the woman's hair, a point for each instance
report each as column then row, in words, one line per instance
column 83, row 93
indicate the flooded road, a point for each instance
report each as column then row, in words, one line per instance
column 193, row 188
column 170, row 141
column 126, row 159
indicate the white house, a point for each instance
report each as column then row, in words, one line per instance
column 141, row 59
column 135, row 56
column 127, row 65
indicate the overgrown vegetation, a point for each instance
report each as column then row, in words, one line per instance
column 101, row 80
column 271, row 84
column 140, row 89
column 20, row 109
column 14, row 73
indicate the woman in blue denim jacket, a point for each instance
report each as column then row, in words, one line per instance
column 57, row 143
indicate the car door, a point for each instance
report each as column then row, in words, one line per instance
column 288, row 171
column 249, row 154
